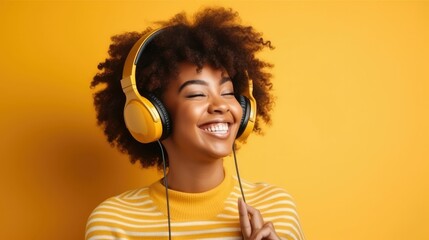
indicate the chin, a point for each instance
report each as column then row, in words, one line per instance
column 219, row 150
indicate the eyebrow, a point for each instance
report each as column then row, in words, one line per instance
column 201, row 82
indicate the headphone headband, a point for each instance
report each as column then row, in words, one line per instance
column 129, row 71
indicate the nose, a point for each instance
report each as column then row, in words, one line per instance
column 218, row 105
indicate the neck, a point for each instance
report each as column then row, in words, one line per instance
column 192, row 177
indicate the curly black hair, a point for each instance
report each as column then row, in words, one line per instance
column 214, row 37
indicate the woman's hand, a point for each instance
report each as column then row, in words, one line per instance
column 252, row 224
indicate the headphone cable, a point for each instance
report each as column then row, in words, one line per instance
column 238, row 173
column 166, row 188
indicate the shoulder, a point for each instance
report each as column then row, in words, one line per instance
column 126, row 200
column 269, row 198
column 111, row 215
column 264, row 192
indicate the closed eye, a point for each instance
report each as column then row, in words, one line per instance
column 228, row 94
column 195, row 95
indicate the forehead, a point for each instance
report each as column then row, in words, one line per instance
column 189, row 75
column 189, row 71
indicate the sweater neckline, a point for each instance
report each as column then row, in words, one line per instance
column 192, row 206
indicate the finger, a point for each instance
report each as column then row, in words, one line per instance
column 267, row 232
column 270, row 225
column 246, row 228
column 256, row 219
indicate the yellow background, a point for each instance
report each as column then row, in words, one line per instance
column 350, row 129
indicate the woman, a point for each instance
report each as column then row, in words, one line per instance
column 188, row 96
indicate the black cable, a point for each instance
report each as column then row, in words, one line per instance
column 166, row 189
column 238, row 174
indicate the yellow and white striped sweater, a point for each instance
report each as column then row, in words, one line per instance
column 141, row 213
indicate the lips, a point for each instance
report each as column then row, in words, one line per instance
column 216, row 128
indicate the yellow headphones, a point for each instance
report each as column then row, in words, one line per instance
column 248, row 104
column 146, row 117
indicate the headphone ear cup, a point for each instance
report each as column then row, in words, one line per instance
column 146, row 118
column 245, row 106
column 163, row 114
column 142, row 119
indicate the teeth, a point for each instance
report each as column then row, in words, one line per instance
column 217, row 128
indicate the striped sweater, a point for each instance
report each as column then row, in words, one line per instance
column 141, row 213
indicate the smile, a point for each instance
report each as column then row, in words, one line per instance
column 217, row 128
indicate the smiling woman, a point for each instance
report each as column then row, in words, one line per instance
column 189, row 90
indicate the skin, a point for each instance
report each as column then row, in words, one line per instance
column 206, row 117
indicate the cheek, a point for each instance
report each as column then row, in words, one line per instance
column 186, row 115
